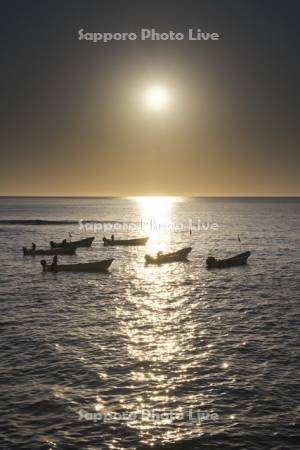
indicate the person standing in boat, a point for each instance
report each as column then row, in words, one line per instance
column 112, row 237
column 33, row 246
column 54, row 263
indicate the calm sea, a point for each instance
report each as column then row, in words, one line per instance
column 173, row 356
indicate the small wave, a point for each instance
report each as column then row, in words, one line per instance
column 50, row 222
column 37, row 222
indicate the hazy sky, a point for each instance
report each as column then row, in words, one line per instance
column 73, row 116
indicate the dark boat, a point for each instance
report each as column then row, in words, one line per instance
column 87, row 242
column 162, row 258
column 49, row 251
column 132, row 242
column 97, row 266
column 238, row 260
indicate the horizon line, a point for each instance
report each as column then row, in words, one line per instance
column 136, row 196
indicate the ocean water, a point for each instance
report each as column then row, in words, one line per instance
column 160, row 357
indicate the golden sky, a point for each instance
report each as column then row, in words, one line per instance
column 149, row 118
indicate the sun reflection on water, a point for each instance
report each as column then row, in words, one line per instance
column 156, row 217
column 156, row 320
column 160, row 348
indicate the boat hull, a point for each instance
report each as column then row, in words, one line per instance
column 98, row 266
column 49, row 251
column 238, row 260
column 180, row 255
column 87, row 242
column 125, row 242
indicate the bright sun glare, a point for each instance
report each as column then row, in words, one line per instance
column 156, row 97
column 156, row 218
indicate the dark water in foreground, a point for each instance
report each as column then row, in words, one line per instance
column 138, row 342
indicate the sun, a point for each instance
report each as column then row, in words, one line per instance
column 156, row 97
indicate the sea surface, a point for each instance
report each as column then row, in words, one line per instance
column 158, row 357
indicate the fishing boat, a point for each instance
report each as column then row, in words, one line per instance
column 96, row 266
column 161, row 258
column 87, row 242
column 238, row 260
column 131, row 242
column 49, row 251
